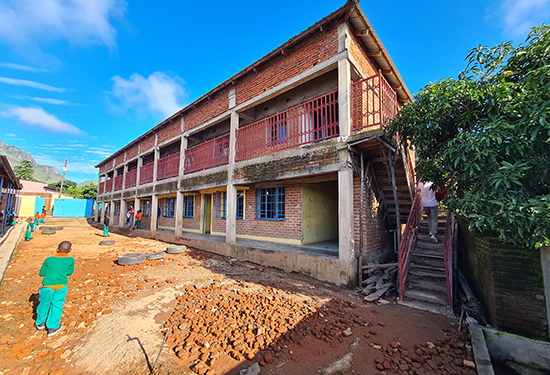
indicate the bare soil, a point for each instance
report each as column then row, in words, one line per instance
column 219, row 316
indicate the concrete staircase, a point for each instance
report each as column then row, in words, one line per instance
column 426, row 286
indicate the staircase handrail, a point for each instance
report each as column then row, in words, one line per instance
column 449, row 254
column 409, row 239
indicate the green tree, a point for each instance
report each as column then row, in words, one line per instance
column 66, row 185
column 88, row 191
column 486, row 135
column 24, row 171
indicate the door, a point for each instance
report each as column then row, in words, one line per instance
column 207, row 214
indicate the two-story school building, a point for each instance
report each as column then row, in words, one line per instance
column 283, row 164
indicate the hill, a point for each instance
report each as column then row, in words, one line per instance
column 42, row 173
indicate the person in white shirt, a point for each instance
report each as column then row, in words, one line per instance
column 430, row 205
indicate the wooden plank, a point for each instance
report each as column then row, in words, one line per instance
column 379, row 293
column 380, row 266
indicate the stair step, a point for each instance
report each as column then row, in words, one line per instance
column 425, row 306
column 426, row 296
column 425, row 245
column 429, row 263
column 416, row 283
column 435, row 254
column 419, row 272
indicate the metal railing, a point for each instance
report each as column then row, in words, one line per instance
column 101, row 189
column 118, row 182
column 449, row 254
column 373, row 102
column 146, row 173
column 408, row 241
column 312, row 121
column 131, row 177
column 168, row 166
column 207, row 154
column 109, row 185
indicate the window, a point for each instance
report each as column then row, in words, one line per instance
column 188, row 205
column 240, row 204
column 221, row 204
column 168, row 207
column 277, row 128
column 145, row 208
column 271, row 203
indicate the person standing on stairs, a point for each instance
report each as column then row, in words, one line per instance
column 431, row 207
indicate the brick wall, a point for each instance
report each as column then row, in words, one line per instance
column 132, row 152
column 271, row 170
column 365, row 64
column 207, row 109
column 508, row 280
column 192, row 183
column 377, row 242
column 195, row 221
column 102, row 169
column 167, row 222
column 119, row 159
column 319, row 47
column 147, row 143
column 170, row 131
column 290, row 228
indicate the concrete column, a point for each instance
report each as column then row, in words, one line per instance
column 124, row 170
column 545, row 263
column 111, row 211
column 344, row 97
column 183, row 148
column 102, row 217
column 96, row 211
column 231, row 208
column 122, row 216
column 139, row 164
column 345, row 209
column 179, row 213
column 154, row 208
column 155, row 166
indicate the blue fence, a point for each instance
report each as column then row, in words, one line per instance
column 73, row 207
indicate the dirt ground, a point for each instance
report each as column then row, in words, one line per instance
column 219, row 315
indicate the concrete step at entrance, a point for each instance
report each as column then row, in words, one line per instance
column 432, row 297
column 425, row 306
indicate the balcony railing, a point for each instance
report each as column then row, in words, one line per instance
column 131, row 177
column 118, row 182
column 312, row 121
column 101, row 187
column 373, row 103
column 207, row 154
column 146, row 173
column 109, row 185
column 168, row 166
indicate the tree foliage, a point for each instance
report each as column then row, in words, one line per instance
column 24, row 171
column 486, row 136
column 66, row 185
column 88, row 191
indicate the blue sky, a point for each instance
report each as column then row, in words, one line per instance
column 81, row 79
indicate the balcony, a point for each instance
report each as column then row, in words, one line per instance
column 131, row 177
column 207, row 154
column 101, row 188
column 168, row 166
column 146, row 173
column 373, row 103
column 118, row 182
column 109, row 185
column 313, row 121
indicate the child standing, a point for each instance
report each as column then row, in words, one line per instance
column 29, row 230
column 55, row 271
column 106, row 226
column 36, row 219
column 43, row 216
column 139, row 215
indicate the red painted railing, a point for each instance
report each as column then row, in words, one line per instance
column 101, row 189
column 308, row 122
column 109, row 185
column 373, row 102
column 168, row 166
column 146, row 173
column 118, row 182
column 449, row 254
column 408, row 241
column 131, row 177
column 207, row 154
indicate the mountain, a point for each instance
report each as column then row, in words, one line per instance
column 42, row 173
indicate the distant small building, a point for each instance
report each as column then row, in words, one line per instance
column 30, row 191
column 9, row 189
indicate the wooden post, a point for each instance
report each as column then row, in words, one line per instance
column 360, row 255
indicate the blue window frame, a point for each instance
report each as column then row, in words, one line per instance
column 270, row 203
column 188, row 205
column 145, row 208
column 221, row 204
column 168, row 207
column 240, row 204
column 117, row 208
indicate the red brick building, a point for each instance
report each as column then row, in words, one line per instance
column 283, row 164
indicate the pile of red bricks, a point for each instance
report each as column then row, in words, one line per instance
column 247, row 323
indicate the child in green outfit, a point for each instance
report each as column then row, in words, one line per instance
column 55, row 271
column 106, row 226
column 29, row 230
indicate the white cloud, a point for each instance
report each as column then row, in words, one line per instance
column 47, row 100
column 38, row 117
column 11, row 135
column 25, row 68
column 28, row 22
column 159, row 92
column 519, row 16
column 33, row 84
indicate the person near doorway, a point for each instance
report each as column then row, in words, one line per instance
column 131, row 216
column 36, row 219
column 106, row 221
column 139, row 215
column 159, row 212
column 43, row 217
column 431, row 207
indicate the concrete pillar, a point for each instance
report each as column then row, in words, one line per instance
column 183, row 148
column 344, row 97
column 179, row 213
column 102, row 217
column 231, row 208
column 345, row 209
column 124, row 170
column 545, row 263
column 111, row 211
column 122, row 216
column 155, row 166
column 154, row 209
column 137, row 204
column 96, row 211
